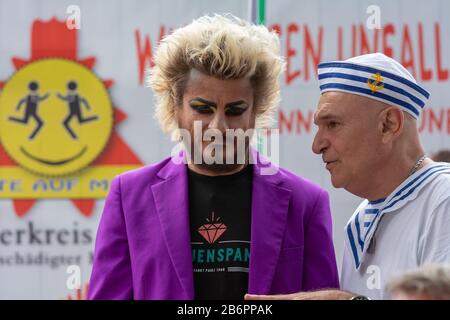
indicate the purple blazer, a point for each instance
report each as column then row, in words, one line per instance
column 143, row 248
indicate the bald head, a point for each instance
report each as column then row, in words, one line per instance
column 388, row 119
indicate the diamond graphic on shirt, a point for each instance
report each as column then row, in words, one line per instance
column 213, row 230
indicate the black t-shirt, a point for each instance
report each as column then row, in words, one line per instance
column 220, row 214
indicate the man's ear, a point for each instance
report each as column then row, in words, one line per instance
column 391, row 122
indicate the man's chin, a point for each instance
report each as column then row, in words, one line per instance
column 220, row 164
column 336, row 183
column 220, row 168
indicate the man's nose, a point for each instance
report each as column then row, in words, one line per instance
column 319, row 143
column 219, row 122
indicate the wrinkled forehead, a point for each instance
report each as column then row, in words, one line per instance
column 345, row 105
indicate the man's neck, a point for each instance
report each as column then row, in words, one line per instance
column 392, row 175
column 217, row 170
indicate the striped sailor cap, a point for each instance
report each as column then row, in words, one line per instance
column 374, row 76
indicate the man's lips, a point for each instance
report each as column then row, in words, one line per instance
column 330, row 164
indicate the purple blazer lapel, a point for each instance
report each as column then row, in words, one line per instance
column 270, row 204
column 172, row 204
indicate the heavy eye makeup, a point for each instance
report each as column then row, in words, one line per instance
column 202, row 106
column 236, row 108
column 206, row 107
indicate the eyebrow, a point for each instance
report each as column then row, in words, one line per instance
column 325, row 117
column 236, row 103
column 231, row 104
column 203, row 101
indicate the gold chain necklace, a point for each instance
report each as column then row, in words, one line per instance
column 417, row 165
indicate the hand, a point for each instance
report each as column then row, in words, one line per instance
column 313, row 295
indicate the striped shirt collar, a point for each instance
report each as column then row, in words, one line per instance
column 361, row 228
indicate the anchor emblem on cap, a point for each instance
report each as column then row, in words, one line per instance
column 377, row 83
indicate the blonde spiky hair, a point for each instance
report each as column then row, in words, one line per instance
column 222, row 46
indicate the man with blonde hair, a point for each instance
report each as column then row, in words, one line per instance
column 201, row 228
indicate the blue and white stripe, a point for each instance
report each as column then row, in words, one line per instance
column 362, row 225
column 353, row 78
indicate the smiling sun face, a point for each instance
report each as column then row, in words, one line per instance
column 56, row 117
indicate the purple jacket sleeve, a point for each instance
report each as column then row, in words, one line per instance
column 320, row 271
column 111, row 277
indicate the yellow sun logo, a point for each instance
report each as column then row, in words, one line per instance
column 56, row 117
column 58, row 137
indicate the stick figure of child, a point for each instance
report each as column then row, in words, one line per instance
column 31, row 102
column 75, row 101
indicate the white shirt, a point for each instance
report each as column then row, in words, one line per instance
column 413, row 232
